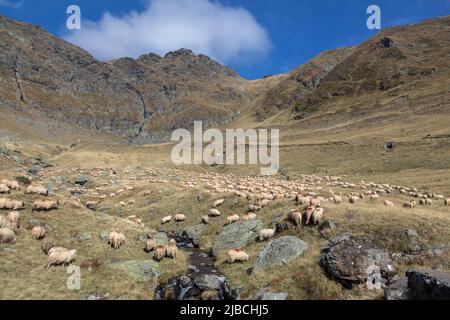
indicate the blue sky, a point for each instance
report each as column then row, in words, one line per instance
column 263, row 37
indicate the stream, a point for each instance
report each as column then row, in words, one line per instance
column 201, row 282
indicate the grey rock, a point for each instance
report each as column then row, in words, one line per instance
column 272, row 296
column 104, row 235
column 37, row 222
column 34, row 170
column 194, row 233
column 209, row 282
column 397, row 290
column 82, row 180
column 352, row 260
column 161, row 238
column 142, row 270
column 85, row 236
column 327, row 225
column 279, row 252
column 235, row 201
column 428, row 284
column 236, row 235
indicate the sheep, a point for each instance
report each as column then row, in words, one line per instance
column 214, row 213
column 447, row 202
column 425, row 202
column 35, row 189
column 296, row 216
column 13, row 185
column 160, row 252
column 171, row 249
column 411, row 204
column 264, row 203
column 205, row 219
column 150, row 245
column 44, row 205
column 179, row 217
column 116, row 239
column 218, row 203
column 317, row 216
column 265, row 234
column 374, row 197
column 353, row 199
column 237, row 255
column 232, row 218
column 4, row 189
column 388, row 203
column 314, row 201
column 61, row 256
column 166, row 219
column 254, row 207
column 47, row 244
column 308, row 213
column 336, row 199
column 38, row 232
column 11, row 204
column 14, row 217
column 7, row 235
column 249, row 216
column 300, row 199
column 7, row 223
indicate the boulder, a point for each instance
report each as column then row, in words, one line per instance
column 353, row 260
column 236, row 235
column 327, row 225
column 279, row 252
column 428, row 284
column 82, row 180
column 142, row 270
column 397, row 290
column 37, row 222
column 161, row 238
column 194, row 233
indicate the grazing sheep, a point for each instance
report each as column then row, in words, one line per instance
column 179, row 217
column 218, row 203
column 388, row 203
column 44, row 205
column 374, row 197
column 38, row 232
column 214, row 213
column 237, row 255
column 205, row 219
column 265, row 234
column 150, row 245
column 300, row 199
column 296, row 216
column 249, row 216
column 171, row 249
column 425, row 202
column 264, row 203
column 61, row 256
column 232, row 218
column 7, row 235
column 308, row 213
column 337, row 199
column 315, row 201
column 166, row 219
column 317, row 216
column 4, row 189
column 34, row 189
column 13, row 185
column 254, row 207
column 14, row 217
column 11, row 204
column 160, row 252
column 116, row 239
column 447, row 202
column 411, row 204
column 47, row 244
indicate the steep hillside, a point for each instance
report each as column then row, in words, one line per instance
column 138, row 100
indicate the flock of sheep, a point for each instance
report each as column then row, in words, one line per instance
column 259, row 191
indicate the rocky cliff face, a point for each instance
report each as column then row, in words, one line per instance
column 138, row 100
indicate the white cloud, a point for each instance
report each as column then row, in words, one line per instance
column 11, row 4
column 221, row 32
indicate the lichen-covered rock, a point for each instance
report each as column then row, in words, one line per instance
column 352, row 260
column 397, row 290
column 279, row 252
column 194, row 233
column 237, row 235
column 144, row 270
column 428, row 284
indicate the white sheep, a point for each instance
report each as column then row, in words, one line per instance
column 166, row 219
column 7, row 235
column 237, row 255
column 218, row 203
column 232, row 218
column 116, row 239
column 265, row 234
column 60, row 256
column 35, row 189
column 214, row 213
column 179, row 217
column 4, row 189
column 38, row 232
column 11, row 204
